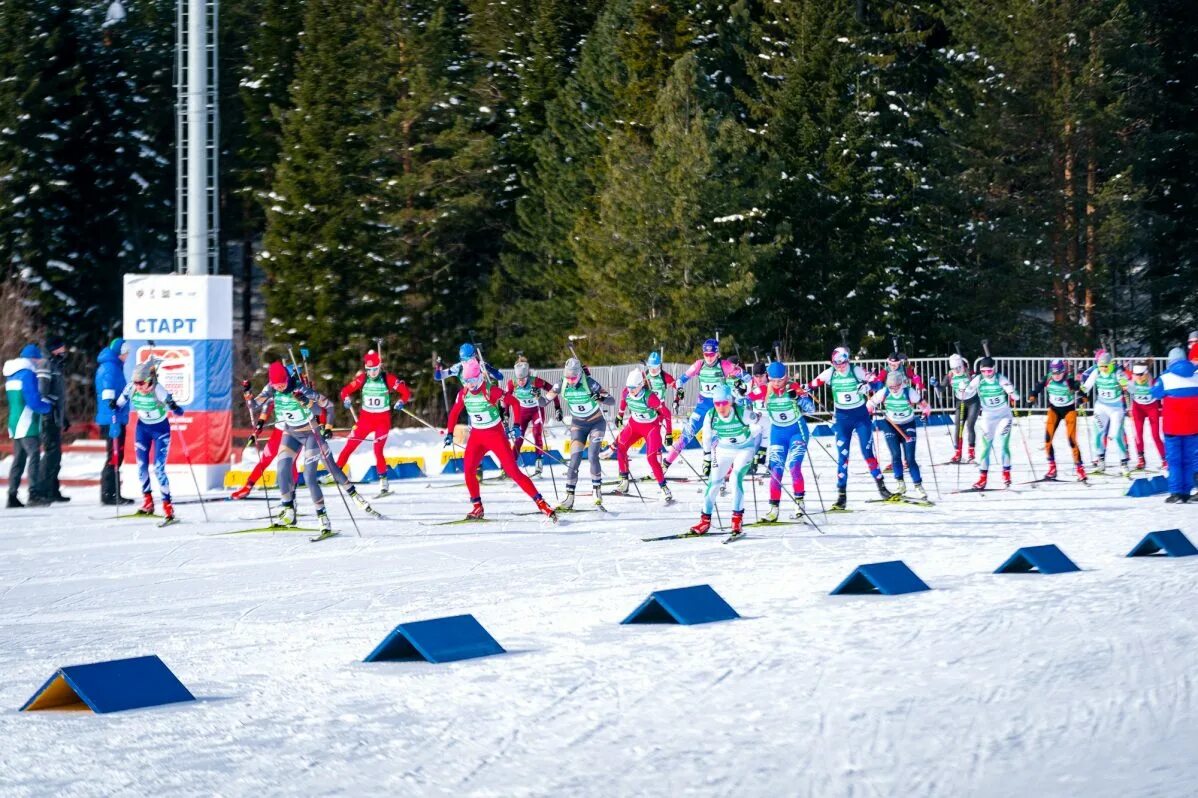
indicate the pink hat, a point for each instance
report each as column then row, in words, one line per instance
column 471, row 370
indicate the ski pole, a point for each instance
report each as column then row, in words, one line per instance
column 258, row 449
column 810, row 520
column 931, row 460
column 814, row 476
column 191, row 468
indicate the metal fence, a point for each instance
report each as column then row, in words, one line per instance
column 1023, row 372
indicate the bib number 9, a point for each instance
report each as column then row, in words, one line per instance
column 848, row 397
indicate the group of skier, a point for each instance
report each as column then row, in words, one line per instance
column 743, row 418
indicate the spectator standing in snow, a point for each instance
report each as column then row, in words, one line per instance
column 52, row 385
column 25, row 410
column 1178, row 388
column 110, row 383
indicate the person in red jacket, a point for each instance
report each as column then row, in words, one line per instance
column 1145, row 408
column 645, row 407
column 484, row 411
column 524, row 398
column 376, row 386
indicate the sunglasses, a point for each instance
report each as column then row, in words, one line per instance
column 141, row 383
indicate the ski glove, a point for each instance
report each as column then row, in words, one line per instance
column 326, row 431
column 669, row 439
column 112, row 405
column 619, row 421
column 448, row 439
column 558, row 414
column 178, row 411
column 347, row 403
column 399, row 404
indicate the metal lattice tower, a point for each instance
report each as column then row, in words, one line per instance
column 197, row 132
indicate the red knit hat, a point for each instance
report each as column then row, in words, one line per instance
column 372, row 360
column 278, row 373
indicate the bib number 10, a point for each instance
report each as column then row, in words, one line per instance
column 374, row 402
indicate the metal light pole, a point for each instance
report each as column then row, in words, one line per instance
column 197, row 131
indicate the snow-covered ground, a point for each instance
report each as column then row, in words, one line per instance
column 1078, row 684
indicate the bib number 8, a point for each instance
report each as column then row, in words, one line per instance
column 581, row 408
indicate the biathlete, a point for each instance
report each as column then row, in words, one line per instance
column 1107, row 385
column 483, row 406
column 661, row 382
column 524, row 396
column 584, row 400
column 899, row 401
column 376, row 386
column 783, row 406
column 151, row 403
column 712, row 372
column 1145, row 409
column 297, row 406
column 732, row 429
column 958, row 384
column 1060, row 388
column 850, row 387
column 269, row 452
column 644, row 408
column 997, row 396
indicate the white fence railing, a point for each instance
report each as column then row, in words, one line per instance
column 1023, row 372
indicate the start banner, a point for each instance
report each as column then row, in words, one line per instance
column 186, row 322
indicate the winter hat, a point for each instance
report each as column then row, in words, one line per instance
column 1176, row 355
column 776, row 371
column 32, row 352
column 573, row 369
column 372, row 360
column 55, row 342
column 635, row 381
column 759, row 368
column 120, row 346
column 521, row 369
column 895, row 380
column 143, row 371
column 277, row 374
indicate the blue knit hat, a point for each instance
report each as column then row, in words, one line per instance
column 32, row 352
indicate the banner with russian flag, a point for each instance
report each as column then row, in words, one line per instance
column 186, row 322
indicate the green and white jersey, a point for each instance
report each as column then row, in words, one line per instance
column 993, row 393
column 736, row 431
column 290, row 410
column 638, row 406
column 1059, row 392
column 962, row 386
column 480, row 411
column 849, row 390
column 783, row 409
column 1141, row 392
column 152, row 407
column 526, row 395
column 375, row 396
column 711, row 377
column 657, row 384
column 580, row 397
column 1107, row 389
column 898, row 407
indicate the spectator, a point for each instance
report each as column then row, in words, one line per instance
column 25, row 410
column 53, row 387
column 1178, row 388
column 110, row 382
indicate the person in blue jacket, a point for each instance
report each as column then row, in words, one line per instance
column 25, row 410
column 110, row 383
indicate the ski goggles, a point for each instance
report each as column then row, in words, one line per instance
column 988, row 371
column 141, row 383
column 473, row 383
column 723, row 405
column 711, row 357
column 573, row 378
column 840, row 358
